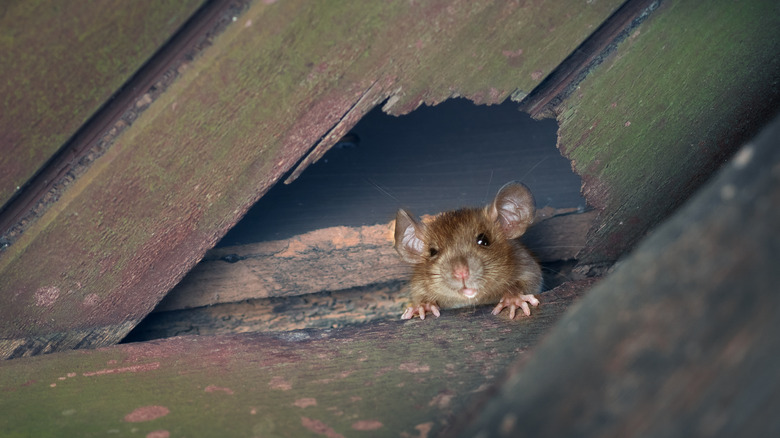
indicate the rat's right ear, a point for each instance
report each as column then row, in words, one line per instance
column 408, row 237
column 513, row 209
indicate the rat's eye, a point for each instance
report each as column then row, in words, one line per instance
column 433, row 252
column 483, row 240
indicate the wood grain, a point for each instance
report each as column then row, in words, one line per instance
column 236, row 119
column 682, row 339
column 338, row 258
column 387, row 378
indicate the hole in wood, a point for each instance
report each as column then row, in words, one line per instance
column 318, row 252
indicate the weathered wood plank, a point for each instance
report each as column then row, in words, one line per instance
column 681, row 340
column 338, row 258
column 311, row 311
column 383, row 379
column 650, row 124
column 561, row 82
column 233, row 123
column 329, row 309
column 61, row 63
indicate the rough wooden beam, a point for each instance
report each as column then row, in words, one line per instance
column 233, row 123
column 383, row 379
column 311, row 311
column 277, row 314
column 60, row 64
column 682, row 339
column 666, row 108
column 338, row 258
column 561, row 82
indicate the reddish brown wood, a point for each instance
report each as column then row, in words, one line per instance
column 338, row 258
column 235, row 121
column 681, row 340
column 387, row 378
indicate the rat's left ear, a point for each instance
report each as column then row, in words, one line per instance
column 514, row 209
column 409, row 237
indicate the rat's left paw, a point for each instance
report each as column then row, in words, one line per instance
column 515, row 301
column 421, row 309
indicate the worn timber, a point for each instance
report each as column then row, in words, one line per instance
column 384, row 379
column 683, row 339
column 666, row 108
column 236, row 119
column 339, row 258
column 60, row 65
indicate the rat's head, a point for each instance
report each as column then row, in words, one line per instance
column 467, row 254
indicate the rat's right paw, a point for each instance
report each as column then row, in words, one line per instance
column 421, row 309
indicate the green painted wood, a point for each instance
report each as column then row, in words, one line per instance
column 61, row 62
column 382, row 379
column 235, row 121
column 666, row 108
column 681, row 340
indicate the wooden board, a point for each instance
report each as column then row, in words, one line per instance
column 339, row 258
column 667, row 107
column 61, row 63
column 284, row 76
column 383, row 379
column 681, row 340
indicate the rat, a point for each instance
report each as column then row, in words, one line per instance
column 471, row 256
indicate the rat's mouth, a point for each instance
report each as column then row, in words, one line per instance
column 468, row 293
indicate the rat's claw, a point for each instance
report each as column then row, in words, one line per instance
column 514, row 302
column 420, row 310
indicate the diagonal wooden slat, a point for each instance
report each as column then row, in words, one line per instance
column 235, row 121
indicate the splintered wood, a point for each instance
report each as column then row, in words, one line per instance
column 326, row 278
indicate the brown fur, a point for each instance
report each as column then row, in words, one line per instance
column 503, row 268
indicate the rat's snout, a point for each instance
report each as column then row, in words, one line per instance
column 460, row 269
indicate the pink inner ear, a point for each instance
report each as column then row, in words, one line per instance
column 513, row 214
column 410, row 241
column 509, row 212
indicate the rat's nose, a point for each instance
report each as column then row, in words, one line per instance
column 460, row 270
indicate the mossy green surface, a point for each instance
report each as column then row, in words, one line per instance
column 238, row 117
column 382, row 379
column 667, row 108
column 61, row 62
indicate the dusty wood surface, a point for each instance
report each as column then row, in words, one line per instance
column 683, row 338
column 382, row 379
column 650, row 124
column 272, row 85
column 60, row 64
column 338, row 258
column 311, row 311
column 330, row 309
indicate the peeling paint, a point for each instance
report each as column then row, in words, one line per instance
column 278, row 382
column 414, row 367
column 146, row 413
column 320, row 428
column 367, row 425
column 305, row 402
column 46, row 296
column 213, row 388
column 129, row 369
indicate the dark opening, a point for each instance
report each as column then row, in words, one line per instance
column 453, row 155
column 438, row 158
